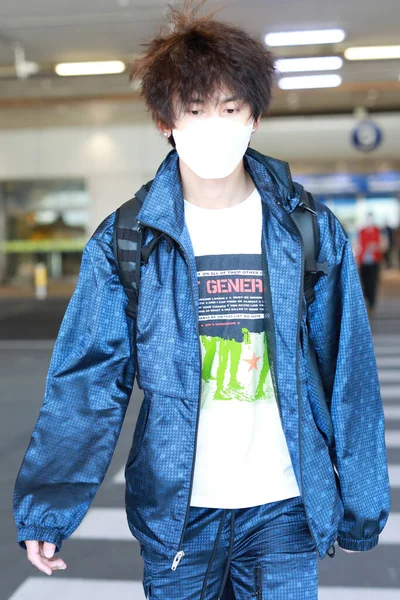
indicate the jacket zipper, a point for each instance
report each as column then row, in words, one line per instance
column 297, row 359
column 265, row 305
column 305, row 207
column 180, row 554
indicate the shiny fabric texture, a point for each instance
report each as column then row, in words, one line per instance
column 263, row 552
column 323, row 366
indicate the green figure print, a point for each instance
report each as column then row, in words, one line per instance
column 264, row 371
column 233, row 349
column 227, row 349
column 210, row 347
column 230, row 351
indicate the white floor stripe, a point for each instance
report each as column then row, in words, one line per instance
column 394, row 477
column 392, row 438
column 388, row 362
column 104, row 524
column 386, row 338
column 390, row 392
column 391, row 376
column 392, row 412
column 350, row 593
column 120, row 477
column 387, row 350
column 35, row 588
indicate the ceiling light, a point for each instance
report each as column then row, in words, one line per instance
column 309, row 82
column 372, row 52
column 300, row 38
column 90, row 68
column 317, row 63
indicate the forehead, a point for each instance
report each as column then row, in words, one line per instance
column 220, row 95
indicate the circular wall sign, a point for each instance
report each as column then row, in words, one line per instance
column 367, row 136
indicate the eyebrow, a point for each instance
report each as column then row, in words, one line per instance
column 225, row 101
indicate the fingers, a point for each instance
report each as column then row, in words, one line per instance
column 55, row 564
column 47, row 549
column 36, row 555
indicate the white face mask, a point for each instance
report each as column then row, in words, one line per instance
column 212, row 148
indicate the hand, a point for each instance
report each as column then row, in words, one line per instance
column 40, row 554
column 350, row 551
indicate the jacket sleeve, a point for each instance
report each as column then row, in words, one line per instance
column 341, row 335
column 88, row 387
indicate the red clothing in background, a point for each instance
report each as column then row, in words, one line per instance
column 369, row 235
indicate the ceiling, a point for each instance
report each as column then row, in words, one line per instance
column 77, row 30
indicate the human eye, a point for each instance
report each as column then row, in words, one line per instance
column 193, row 109
column 231, row 110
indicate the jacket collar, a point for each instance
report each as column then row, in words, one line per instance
column 163, row 206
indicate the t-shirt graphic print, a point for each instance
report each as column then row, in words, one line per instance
column 242, row 457
column 235, row 361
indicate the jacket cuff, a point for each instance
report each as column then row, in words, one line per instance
column 42, row 534
column 351, row 544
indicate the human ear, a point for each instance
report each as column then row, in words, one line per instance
column 256, row 124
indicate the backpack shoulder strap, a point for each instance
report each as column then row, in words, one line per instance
column 305, row 217
column 127, row 244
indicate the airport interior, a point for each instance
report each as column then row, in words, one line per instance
column 77, row 141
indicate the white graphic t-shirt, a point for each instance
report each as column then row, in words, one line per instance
column 242, row 458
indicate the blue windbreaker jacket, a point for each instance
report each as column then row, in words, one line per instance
column 323, row 369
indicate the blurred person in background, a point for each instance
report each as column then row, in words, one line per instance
column 236, row 441
column 396, row 245
column 388, row 237
column 370, row 254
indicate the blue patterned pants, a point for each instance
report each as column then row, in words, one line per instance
column 264, row 552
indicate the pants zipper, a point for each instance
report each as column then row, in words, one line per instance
column 180, row 554
column 258, row 575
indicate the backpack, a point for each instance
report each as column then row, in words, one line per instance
column 128, row 234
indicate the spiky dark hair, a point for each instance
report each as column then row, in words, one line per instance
column 194, row 56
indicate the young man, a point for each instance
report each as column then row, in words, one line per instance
column 260, row 438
